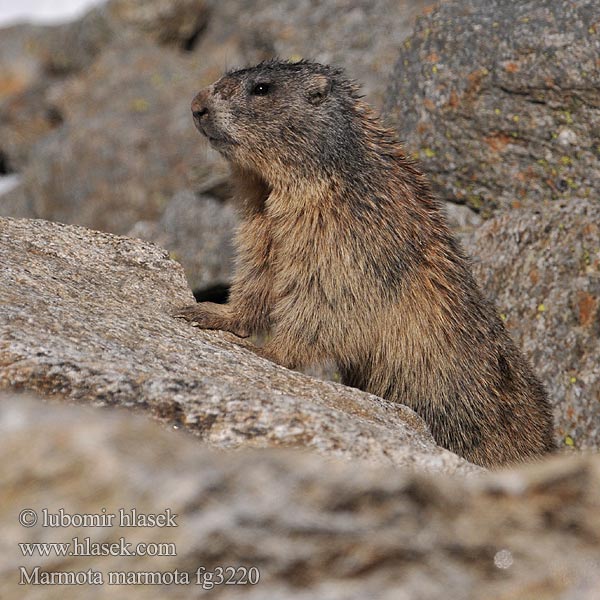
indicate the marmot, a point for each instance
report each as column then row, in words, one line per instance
column 344, row 254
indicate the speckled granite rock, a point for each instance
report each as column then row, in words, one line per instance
column 315, row 528
column 198, row 232
column 86, row 316
column 501, row 100
column 542, row 267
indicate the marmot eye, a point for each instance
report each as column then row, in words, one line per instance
column 261, row 89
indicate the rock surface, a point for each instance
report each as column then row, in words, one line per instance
column 501, row 100
column 86, row 316
column 99, row 120
column 35, row 61
column 315, row 528
column 176, row 23
column 542, row 267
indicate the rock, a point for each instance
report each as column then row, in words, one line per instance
column 170, row 22
column 314, row 528
column 198, row 232
column 110, row 144
column 33, row 61
column 25, row 118
column 8, row 183
column 25, row 113
column 501, row 101
column 71, row 47
column 461, row 219
column 19, row 67
column 27, row 51
column 13, row 198
column 86, row 316
column 542, row 268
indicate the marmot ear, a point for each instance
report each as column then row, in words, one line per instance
column 319, row 89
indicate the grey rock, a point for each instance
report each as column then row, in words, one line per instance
column 542, row 268
column 462, row 219
column 68, row 48
column 27, row 51
column 86, row 316
column 14, row 200
column 169, row 22
column 315, row 528
column 35, row 59
column 198, row 232
column 501, row 100
column 26, row 115
column 8, row 183
column 19, row 66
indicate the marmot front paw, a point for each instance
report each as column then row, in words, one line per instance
column 208, row 315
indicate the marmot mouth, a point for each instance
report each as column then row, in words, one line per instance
column 220, row 143
column 215, row 140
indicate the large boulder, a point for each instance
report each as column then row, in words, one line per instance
column 542, row 267
column 501, row 100
column 86, row 316
column 313, row 528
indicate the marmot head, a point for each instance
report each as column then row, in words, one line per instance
column 283, row 117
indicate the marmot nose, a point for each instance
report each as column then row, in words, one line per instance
column 198, row 114
column 200, row 105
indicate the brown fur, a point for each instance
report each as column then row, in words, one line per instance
column 344, row 254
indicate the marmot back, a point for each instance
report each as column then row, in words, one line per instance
column 344, row 254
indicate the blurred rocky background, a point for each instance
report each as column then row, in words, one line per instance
column 312, row 528
column 500, row 104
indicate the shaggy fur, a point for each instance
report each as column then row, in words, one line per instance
column 344, row 254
